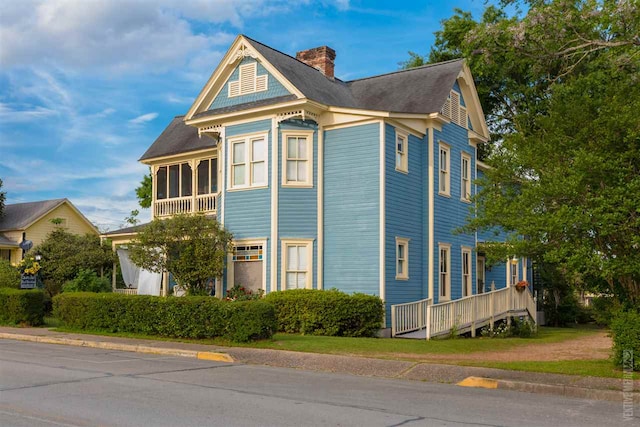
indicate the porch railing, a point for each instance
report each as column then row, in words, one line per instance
column 409, row 317
column 129, row 291
column 461, row 315
column 205, row 203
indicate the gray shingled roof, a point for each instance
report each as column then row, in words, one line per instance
column 178, row 138
column 420, row 90
column 18, row 216
column 126, row 230
column 5, row 241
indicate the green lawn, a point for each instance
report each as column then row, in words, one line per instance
column 590, row 367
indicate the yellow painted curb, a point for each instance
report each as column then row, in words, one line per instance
column 478, row 382
column 216, row 357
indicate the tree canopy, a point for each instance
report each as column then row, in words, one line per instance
column 560, row 85
column 191, row 247
column 64, row 255
column 2, row 199
column 144, row 192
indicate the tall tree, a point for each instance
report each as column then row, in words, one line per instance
column 566, row 174
column 192, row 247
column 144, row 192
column 2, row 199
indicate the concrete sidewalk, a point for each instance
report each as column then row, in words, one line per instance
column 566, row 385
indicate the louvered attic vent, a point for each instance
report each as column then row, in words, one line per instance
column 454, row 111
column 248, row 81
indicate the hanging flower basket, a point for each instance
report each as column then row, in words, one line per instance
column 522, row 285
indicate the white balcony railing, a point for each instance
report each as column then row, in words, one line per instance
column 205, row 203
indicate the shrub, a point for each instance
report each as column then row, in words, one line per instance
column 240, row 293
column 329, row 312
column 625, row 330
column 604, row 309
column 9, row 275
column 19, row 307
column 87, row 281
column 186, row 317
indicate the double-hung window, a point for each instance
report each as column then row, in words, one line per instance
column 465, row 178
column 402, row 258
column 297, row 159
column 296, row 264
column 444, row 281
column 466, row 272
column 444, row 166
column 248, row 163
column 402, row 152
column 513, row 272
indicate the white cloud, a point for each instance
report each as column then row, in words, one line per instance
column 15, row 113
column 143, row 118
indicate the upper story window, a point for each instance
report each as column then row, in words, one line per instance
column 444, row 178
column 402, row 258
column 444, row 279
column 465, row 178
column 297, row 159
column 248, row 81
column 207, row 176
column 454, row 110
column 402, row 152
column 248, row 162
column 173, row 181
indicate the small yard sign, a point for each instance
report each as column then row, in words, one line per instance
column 28, row 281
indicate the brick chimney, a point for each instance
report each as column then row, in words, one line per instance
column 319, row 57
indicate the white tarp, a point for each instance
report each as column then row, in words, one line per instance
column 130, row 271
column 149, row 283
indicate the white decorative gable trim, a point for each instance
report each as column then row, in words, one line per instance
column 209, row 129
column 303, row 114
column 243, row 51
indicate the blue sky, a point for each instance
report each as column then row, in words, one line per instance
column 87, row 85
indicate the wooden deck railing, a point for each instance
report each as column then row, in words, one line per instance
column 461, row 315
column 205, row 203
column 409, row 317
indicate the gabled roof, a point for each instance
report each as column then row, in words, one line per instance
column 420, row 90
column 5, row 241
column 19, row 216
column 178, row 138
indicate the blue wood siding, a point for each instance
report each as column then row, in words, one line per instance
column 352, row 209
column 247, row 213
column 405, row 205
column 274, row 89
column 298, row 207
column 451, row 213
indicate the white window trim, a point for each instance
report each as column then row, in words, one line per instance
column 196, row 164
column 247, row 139
column 308, row 183
column 284, row 243
column 231, row 262
column 511, row 264
column 447, row 285
column 442, row 146
column 404, row 164
column 402, row 275
column 262, row 80
column 466, row 250
column 464, row 189
column 178, row 163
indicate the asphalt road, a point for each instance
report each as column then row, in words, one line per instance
column 51, row 385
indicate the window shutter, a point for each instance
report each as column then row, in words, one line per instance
column 247, row 78
column 261, row 83
column 446, row 109
column 455, row 107
column 463, row 117
column 234, row 88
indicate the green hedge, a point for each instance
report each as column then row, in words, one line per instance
column 184, row 317
column 18, row 307
column 331, row 312
column 625, row 330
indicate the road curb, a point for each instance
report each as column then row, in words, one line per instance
column 202, row 355
column 563, row 390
